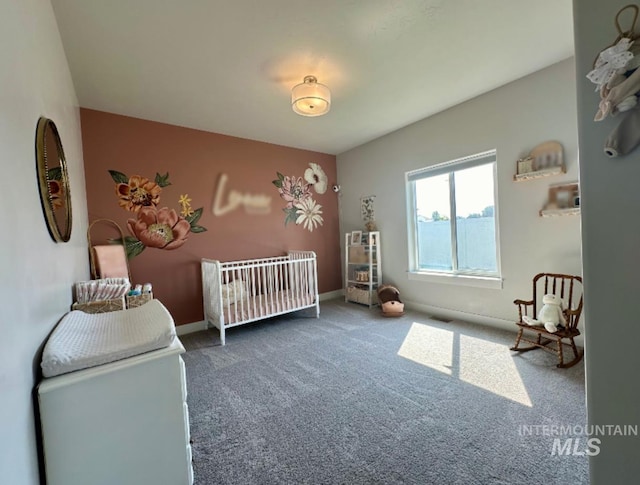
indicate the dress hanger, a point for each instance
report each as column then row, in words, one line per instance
column 623, row 34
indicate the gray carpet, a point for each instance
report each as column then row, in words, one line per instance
column 356, row 398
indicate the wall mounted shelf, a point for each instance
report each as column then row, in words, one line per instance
column 573, row 211
column 540, row 173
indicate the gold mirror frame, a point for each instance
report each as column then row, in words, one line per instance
column 53, row 180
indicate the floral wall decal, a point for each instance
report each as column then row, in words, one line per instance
column 316, row 177
column 153, row 227
column 300, row 206
column 368, row 213
column 185, row 202
column 56, row 188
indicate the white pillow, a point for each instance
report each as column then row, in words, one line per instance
column 232, row 292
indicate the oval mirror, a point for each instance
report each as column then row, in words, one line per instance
column 53, row 180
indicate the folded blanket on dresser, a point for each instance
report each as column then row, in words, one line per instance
column 83, row 340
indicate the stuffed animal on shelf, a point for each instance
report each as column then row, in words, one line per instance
column 550, row 315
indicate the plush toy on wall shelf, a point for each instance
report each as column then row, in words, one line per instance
column 550, row 315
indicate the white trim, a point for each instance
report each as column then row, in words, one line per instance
column 490, row 156
column 481, row 159
column 476, row 318
column 493, row 282
column 202, row 325
column 191, row 327
column 330, row 295
column 496, row 218
column 463, row 316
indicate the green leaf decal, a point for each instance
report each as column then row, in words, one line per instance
column 278, row 183
column 54, row 173
column 163, row 180
column 197, row 229
column 291, row 215
column 119, row 177
column 133, row 247
column 193, row 218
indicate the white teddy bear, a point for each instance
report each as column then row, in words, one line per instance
column 550, row 314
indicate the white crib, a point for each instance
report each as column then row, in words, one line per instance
column 239, row 292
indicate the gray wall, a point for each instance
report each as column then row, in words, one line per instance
column 611, row 255
column 36, row 274
column 512, row 119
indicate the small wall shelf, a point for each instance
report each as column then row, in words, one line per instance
column 540, row 173
column 573, row 211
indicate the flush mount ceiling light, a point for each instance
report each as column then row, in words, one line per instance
column 310, row 98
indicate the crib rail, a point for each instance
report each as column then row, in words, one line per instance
column 238, row 292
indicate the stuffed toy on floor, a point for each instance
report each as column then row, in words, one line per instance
column 390, row 303
column 550, row 315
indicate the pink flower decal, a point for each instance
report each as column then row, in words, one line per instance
column 294, row 190
column 159, row 228
column 57, row 193
column 153, row 227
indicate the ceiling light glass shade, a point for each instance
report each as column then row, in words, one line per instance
column 310, row 98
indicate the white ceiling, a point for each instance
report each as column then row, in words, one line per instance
column 228, row 66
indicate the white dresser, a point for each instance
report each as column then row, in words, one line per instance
column 121, row 423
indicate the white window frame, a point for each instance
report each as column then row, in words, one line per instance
column 455, row 276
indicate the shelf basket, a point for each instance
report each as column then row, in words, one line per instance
column 101, row 306
column 138, row 300
column 113, row 305
column 361, row 296
column 362, row 276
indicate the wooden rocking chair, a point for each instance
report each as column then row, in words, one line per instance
column 569, row 289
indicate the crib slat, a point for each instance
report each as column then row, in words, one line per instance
column 297, row 276
column 281, row 287
column 252, row 291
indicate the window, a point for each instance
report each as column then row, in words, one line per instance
column 452, row 218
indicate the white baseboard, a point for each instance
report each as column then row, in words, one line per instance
column 428, row 309
column 330, row 295
column 201, row 325
column 463, row 316
column 190, row 327
column 472, row 318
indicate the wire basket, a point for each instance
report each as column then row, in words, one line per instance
column 360, row 295
column 101, row 306
column 134, row 301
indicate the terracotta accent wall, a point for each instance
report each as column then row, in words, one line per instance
column 195, row 160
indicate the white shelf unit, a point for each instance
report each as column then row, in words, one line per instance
column 363, row 269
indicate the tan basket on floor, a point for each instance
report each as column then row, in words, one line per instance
column 100, row 306
column 361, row 296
